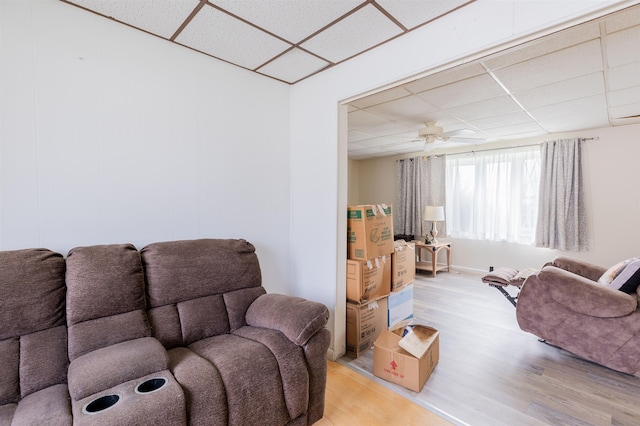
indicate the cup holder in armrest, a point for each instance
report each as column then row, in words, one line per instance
column 151, row 385
column 100, row 404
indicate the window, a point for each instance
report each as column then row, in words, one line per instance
column 493, row 194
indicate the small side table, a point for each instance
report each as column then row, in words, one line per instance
column 433, row 249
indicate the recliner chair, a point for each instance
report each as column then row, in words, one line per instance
column 565, row 305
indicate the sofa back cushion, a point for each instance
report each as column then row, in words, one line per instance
column 199, row 288
column 33, row 343
column 105, row 297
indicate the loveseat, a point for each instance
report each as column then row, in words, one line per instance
column 578, row 306
column 177, row 333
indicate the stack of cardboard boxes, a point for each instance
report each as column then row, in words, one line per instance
column 380, row 276
column 369, row 248
column 380, row 273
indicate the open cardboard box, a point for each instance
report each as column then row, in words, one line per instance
column 407, row 361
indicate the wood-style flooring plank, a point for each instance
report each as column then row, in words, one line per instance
column 353, row 399
column 492, row 373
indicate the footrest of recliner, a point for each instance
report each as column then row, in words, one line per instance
column 503, row 277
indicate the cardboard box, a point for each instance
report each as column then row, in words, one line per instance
column 369, row 231
column 368, row 279
column 403, row 264
column 400, row 307
column 364, row 324
column 396, row 365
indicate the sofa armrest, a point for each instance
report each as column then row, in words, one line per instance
column 112, row 365
column 585, row 296
column 584, row 269
column 297, row 318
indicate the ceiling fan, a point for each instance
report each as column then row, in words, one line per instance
column 431, row 133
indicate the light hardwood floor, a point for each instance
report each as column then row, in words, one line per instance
column 353, row 399
column 492, row 373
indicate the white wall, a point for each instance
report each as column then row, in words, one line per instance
column 612, row 192
column 110, row 135
column 318, row 148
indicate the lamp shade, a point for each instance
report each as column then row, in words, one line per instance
column 433, row 213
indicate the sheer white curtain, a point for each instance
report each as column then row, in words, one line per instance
column 562, row 222
column 493, row 194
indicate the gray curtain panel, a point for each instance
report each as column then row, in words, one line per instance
column 409, row 184
column 420, row 182
column 562, row 220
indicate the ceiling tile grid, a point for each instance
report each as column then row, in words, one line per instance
column 358, row 32
column 218, row 34
column 585, row 77
column 288, row 40
column 294, row 21
column 160, row 17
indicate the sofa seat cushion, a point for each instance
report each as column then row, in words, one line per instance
column 291, row 363
column 109, row 366
column 252, row 377
column 203, row 387
column 48, row 406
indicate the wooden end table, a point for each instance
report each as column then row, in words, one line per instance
column 433, row 249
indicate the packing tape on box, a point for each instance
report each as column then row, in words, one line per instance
column 376, row 260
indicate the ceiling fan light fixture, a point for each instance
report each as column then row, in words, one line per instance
column 430, row 129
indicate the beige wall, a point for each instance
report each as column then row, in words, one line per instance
column 353, row 187
column 612, row 186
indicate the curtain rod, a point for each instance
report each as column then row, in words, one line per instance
column 508, row 147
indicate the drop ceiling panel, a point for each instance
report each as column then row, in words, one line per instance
column 467, row 91
column 359, row 31
column 528, row 128
column 293, row 66
column 624, row 77
column 360, row 118
column 624, row 111
column 388, row 128
column 546, row 45
column 218, row 34
column 160, row 17
column 563, row 91
column 586, row 113
column 620, row 44
column 624, row 19
column 402, row 108
column 381, row 97
column 291, row 20
column 484, row 109
column 573, row 62
column 443, row 120
column 412, row 13
column 511, row 119
column 443, row 78
column 625, row 97
column 375, row 142
column 357, row 135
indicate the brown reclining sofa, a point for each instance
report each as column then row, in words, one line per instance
column 177, row 333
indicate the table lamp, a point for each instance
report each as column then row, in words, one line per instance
column 433, row 214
